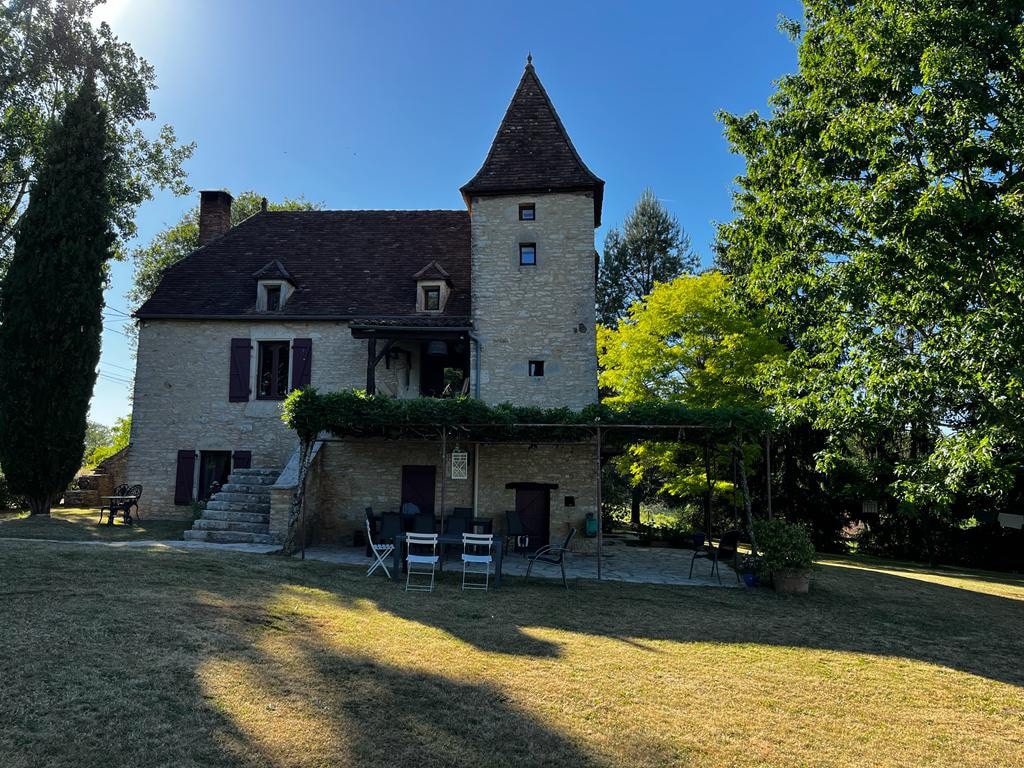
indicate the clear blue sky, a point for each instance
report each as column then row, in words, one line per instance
column 394, row 104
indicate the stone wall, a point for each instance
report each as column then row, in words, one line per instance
column 353, row 475
column 181, row 397
column 540, row 312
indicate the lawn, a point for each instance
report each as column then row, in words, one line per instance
column 145, row 657
column 67, row 524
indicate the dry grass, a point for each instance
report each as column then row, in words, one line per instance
column 69, row 524
column 138, row 658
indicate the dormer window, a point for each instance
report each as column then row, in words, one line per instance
column 527, row 212
column 273, row 298
column 272, row 295
column 432, row 298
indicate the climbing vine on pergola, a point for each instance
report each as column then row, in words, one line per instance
column 355, row 414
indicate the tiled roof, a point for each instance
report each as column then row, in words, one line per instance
column 433, row 271
column 344, row 264
column 532, row 151
column 419, row 321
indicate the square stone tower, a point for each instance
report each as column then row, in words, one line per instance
column 534, row 206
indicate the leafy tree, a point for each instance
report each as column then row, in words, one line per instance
column 46, row 47
column 51, row 307
column 880, row 221
column 174, row 243
column 96, row 435
column 690, row 342
column 117, row 439
column 651, row 248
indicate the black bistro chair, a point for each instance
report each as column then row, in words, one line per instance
column 111, row 505
column 552, row 555
column 727, row 550
column 135, row 491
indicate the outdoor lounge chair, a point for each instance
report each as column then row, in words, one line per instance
column 552, row 555
column 727, row 550
column 515, row 534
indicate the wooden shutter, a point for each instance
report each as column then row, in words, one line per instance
column 238, row 379
column 302, row 362
column 184, row 478
column 241, row 460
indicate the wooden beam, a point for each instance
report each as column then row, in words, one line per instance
column 371, row 365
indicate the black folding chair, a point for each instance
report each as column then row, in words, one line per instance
column 515, row 533
column 552, row 555
column 727, row 549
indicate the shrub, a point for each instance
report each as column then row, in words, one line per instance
column 8, row 501
column 784, row 545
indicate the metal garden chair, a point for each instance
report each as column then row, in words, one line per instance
column 422, row 552
column 727, row 549
column 380, row 551
column 476, row 551
column 552, row 555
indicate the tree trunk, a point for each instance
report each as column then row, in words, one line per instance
column 707, row 489
column 746, row 495
column 39, row 505
column 635, row 497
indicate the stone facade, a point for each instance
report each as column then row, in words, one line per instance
column 352, row 475
column 181, row 396
column 539, row 312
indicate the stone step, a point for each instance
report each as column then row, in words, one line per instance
column 230, row 537
column 236, row 506
column 263, row 481
column 204, row 524
column 257, row 472
column 243, row 498
column 236, row 517
column 244, row 488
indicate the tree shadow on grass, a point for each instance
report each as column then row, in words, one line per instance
column 848, row 609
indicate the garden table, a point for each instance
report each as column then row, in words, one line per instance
column 442, row 539
column 113, row 502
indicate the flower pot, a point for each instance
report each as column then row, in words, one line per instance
column 750, row 579
column 791, row 582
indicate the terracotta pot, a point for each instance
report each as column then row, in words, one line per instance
column 791, row 582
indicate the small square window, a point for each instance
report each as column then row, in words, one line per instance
column 527, row 212
column 432, row 298
column 536, row 367
column 528, row 254
column 273, row 298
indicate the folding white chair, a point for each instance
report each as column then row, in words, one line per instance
column 418, row 546
column 380, row 552
column 476, row 552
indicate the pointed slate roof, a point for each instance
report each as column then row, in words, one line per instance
column 273, row 270
column 433, row 271
column 532, row 152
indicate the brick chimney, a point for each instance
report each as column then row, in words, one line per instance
column 214, row 214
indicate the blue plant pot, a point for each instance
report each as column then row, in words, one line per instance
column 750, row 579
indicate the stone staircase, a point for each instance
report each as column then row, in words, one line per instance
column 240, row 512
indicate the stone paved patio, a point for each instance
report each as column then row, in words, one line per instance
column 641, row 565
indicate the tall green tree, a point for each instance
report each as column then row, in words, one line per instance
column 51, row 306
column 46, row 47
column 174, row 243
column 880, row 220
column 651, row 248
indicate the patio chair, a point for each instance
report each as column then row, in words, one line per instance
column 466, row 512
column 476, row 551
column 456, row 526
column 552, row 555
column 422, row 552
column 380, row 551
column 135, row 492
column 120, row 490
column 727, row 550
column 424, row 523
column 515, row 534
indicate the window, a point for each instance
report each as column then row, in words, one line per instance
column 272, row 373
column 432, row 298
column 528, row 254
column 273, row 298
column 536, row 368
column 527, row 212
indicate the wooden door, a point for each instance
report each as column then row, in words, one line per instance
column 418, row 486
column 534, row 508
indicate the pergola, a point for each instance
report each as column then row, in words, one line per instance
column 347, row 415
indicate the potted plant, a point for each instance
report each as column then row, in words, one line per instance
column 750, row 567
column 787, row 554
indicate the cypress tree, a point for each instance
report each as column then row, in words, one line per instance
column 51, row 305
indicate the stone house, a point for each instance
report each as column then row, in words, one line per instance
column 495, row 301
